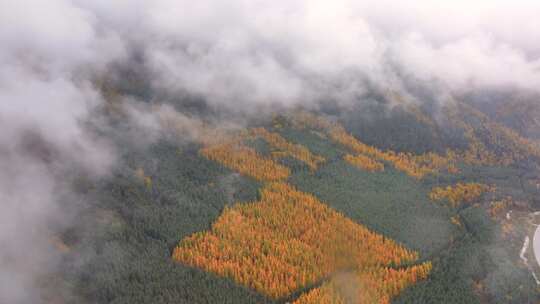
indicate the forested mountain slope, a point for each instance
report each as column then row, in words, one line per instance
column 308, row 207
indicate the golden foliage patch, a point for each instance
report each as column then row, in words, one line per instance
column 364, row 162
column 490, row 143
column 285, row 241
column 289, row 239
column 246, row 160
column 459, row 193
column 286, row 148
column 416, row 166
column 377, row 285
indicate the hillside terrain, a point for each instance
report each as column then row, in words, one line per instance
column 273, row 152
column 408, row 206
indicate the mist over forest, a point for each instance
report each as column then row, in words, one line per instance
column 131, row 132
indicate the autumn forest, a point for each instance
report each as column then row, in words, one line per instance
column 299, row 209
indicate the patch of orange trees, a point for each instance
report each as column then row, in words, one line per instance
column 414, row 165
column 232, row 153
column 459, row 193
column 377, row 285
column 322, row 295
column 490, row 143
column 288, row 149
column 289, row 240
column 246, row 160
column 364, row 162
